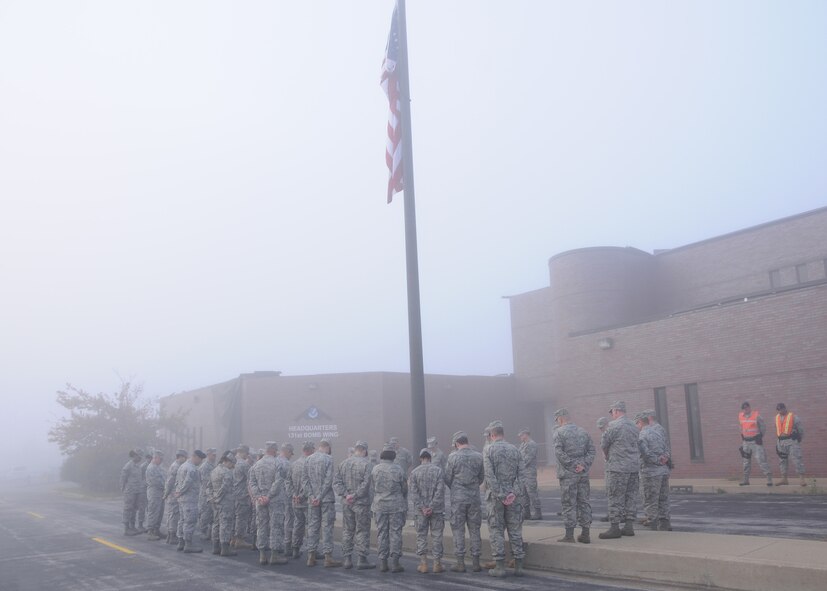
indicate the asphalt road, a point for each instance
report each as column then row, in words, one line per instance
column 781, row 516
column 51, row 542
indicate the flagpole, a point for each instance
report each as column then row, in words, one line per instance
column 419, row 431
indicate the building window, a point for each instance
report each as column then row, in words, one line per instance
column 661, row 410
column 693, row 421
column 775, row 278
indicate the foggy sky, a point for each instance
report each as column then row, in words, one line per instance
column 192, row 190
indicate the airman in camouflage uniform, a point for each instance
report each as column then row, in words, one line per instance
column 173, row 511
column 267, row 487
column 298, row 496
column 528, row 451
column 205, row 513
column 187, row 490
column 620, row 446
column 504, row 480
column 286, row 451
column 131, row 488
column 574, row 450
column 427, row 488
column 403, row 457
column 352, row 483
column 142, row 498
column 321, row 512
column 654, row 472
column 752, row 443
column 390, row 503
column 438, row 457
column 155, row 480
column 222, row 497
column 464, row 473
column 243, row 502
column 788, row 446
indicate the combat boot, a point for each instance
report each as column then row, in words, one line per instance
column 584, row 537
column 499, row 570
column 363, row 564
column 664, row 525
column 538, row 516
column 423, row 566
column 170, row 538
column 311, row 559
column 262, row 557
column 475, row 564
column 154, row 535
column 276, row 558
column 329, row 562
column 569, row 537
column 383, row 565
column 612, row 533
column 240, row 544
column 803, row 481
column 488, row 565
column 348, row 562
column 783, row 481
column 628, row 528
column 216, row 547
column 297, row 552
column 744, row 482
column 459, row 565
column 190, row 549
column 769, row 479
column 141, row 529
column 395, row 566
column 437, row 568
column 226, row 550
column 518, row 568
column 130, row 531
column 180, row 544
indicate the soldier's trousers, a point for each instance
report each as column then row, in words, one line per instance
column 288, row 525
column 205, row 515
column 143, row 501
column 130, row 508
column 622, row 490
column 243, row 510
column 154, row 509
column 500, row 519
column 656, row 496
column 793, row 450
column 532, row 494
column 469, row 514
column 173, row 515
column 756, row 452
column 270, row 526
column 355, row 529
column 189, row 517
column 575, row 496
column 223, row 521
column 389, row 534
column 299, row 525
column 435, row 523
column 320, row 521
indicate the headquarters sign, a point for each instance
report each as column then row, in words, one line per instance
column 313, row 423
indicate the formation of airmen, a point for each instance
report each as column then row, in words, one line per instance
column 276, row 505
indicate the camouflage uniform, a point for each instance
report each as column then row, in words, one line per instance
column 572, row 447
column 173, row 510
column 188, row 487
column 205, row 512
column 504, row 475
column 353, row 478
column 427, row 486
column 619, row 443
column 404, row 459
column 464, row 473
column 131, row 488
column 155, row 480
column 390, row 491
column 142, row 498
column 754, row 448
column 267, row 479
column 243, row 503
column 294, row 489
column 790, row 449
column 654, row 472
column 318, row 483
column 222, row 498
column 528, row 451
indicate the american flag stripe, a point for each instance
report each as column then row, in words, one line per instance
column 390, row 84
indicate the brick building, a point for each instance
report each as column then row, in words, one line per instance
column 692, row 331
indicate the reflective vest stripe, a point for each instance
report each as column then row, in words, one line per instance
column 784, row 425
column 749, row 425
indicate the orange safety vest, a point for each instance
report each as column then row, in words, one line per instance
column 784, row 425
column 749, row 425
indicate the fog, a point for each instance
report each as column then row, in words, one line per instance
column 192, row 190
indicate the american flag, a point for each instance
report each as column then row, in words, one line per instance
column 390, row 84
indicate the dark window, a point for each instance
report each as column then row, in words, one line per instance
column 661, row 410
column 693, row 420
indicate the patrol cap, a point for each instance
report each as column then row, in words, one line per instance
column 780, row 406
column 308, row 446
column 495, row 424
column 229, row 456
column 524, row 431
column 432, row 442
column 561, row 412
column 373, row 454
column 649, row 412
column 211, row 450
column 362, row 444
column 182, row 453
column 457, row 435
column 139, row 452
column 241, row 447
column 618, row 405
column 158, row 454
column 287, row 447
column 388, row 447
column 271, row 445
column 424, row 453
column 199, row 453
column 260, row 451
column 602, row 422
column 393, row 440
column 324, row 442
column 744, row 405
column 641, row 415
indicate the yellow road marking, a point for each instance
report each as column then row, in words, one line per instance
column 38, row 515
column 115, row 546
